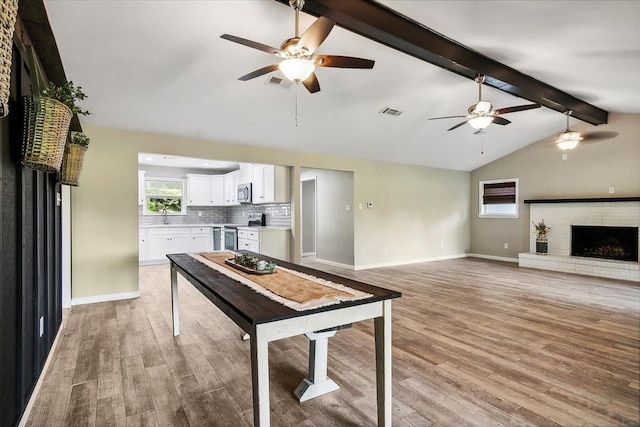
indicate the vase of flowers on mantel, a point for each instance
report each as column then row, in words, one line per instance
column 542, row 242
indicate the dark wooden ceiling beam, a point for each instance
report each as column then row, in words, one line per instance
column 386, row 26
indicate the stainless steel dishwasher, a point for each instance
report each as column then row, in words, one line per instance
column 217, row 238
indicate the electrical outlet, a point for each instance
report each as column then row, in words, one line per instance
column 612, row 190
column 243, row 212
column 199, row 213
column 442, row 245
column 386, row 249
column 360, row 206
column 348, row 208
column 564, row 156
column 506, row 246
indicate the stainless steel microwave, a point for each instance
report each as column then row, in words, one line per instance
column 244, row 193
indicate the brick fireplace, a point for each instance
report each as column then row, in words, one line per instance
column 597, row 237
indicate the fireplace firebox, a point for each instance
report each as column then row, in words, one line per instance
column 617, row 243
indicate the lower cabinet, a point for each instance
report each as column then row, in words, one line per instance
column 156, row 242
column 201, row 239
column 270, row 242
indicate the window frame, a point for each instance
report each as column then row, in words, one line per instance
column 481, row 205
column 183, row 204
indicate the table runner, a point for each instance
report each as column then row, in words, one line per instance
column 291, row 288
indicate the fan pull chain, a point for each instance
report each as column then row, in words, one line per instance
column 296, row 105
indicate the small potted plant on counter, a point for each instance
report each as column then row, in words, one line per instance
column 541, row 237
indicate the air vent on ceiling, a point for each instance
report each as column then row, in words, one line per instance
column 278, row 82
column 390, row 111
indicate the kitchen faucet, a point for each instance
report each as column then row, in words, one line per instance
column 166, row 218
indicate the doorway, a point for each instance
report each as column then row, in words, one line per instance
column 308, row 217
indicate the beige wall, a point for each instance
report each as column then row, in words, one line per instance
column 589, row 171
column 419, row 213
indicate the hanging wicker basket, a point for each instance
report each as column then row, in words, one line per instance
column 45, row 134
column 72, row 164
column 8, row 14
column 45, row 127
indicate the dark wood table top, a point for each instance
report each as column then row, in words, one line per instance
column 255, row 308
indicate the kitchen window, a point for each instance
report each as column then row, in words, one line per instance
column 164, row 196
column 498, row 198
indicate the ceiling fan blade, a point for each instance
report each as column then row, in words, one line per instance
column 311, row 83
column 516, row 108
column 260, row 72
column 458, row 125
column 343, row 62
column 501, row 121
column 448, row 117
column 598, row 136
column 250, row 43
column 315, row 34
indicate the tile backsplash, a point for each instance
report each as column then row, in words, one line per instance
column 277, row 215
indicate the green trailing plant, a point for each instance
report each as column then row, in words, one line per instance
column 68, row 94
column 79, row 138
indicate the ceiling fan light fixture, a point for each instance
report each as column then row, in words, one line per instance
column 480, row 122
column 568, row 140
column 297, row 69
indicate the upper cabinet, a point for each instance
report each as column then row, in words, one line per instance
column 141, row 187
column 205, row 190
column 270, row 184
column 231, row 181
column 244, row 174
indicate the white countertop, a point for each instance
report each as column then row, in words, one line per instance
column 267, row 228
column 189, row 225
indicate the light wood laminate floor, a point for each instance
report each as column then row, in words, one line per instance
column 475, row 343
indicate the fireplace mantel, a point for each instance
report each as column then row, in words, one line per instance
column 585, row 200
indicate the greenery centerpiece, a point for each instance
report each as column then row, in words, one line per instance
column 541, row 237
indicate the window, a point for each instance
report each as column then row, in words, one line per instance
column 499, row 198
column 164, row 194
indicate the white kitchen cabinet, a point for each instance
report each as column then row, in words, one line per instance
column 231, row 188
column 244, row 173
column 270, row 184
column 216, row 190
column 201, row 239
column 270, row 242
column 141, row 188
column 143, row 245
column 167, row 240
column 198, row 190
column 205, row 190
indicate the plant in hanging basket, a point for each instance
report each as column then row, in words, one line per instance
column 73, row 158
column 68, row 94
column 46, row 119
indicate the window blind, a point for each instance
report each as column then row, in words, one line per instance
column 499, row 193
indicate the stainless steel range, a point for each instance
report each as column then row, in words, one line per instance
column 231, row 231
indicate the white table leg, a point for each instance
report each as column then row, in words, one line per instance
column 260, row 379
column 382, row 327
column 317, row 383
column 174, row 301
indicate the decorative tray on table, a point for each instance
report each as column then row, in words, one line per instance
column 251, row 265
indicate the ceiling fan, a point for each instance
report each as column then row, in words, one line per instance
column 299, row 53
column 569, row 139
column 482, row 114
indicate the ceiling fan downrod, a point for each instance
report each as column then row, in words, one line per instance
column 297, row 5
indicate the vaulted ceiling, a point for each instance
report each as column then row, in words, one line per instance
column 161, row 66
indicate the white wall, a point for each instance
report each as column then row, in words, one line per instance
column 419, row 213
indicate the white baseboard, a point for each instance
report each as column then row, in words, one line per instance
column 304, row 254
column 34, row 394
column 105, row 298
column 493, row 257
column 413, row 261
column 335, row 264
